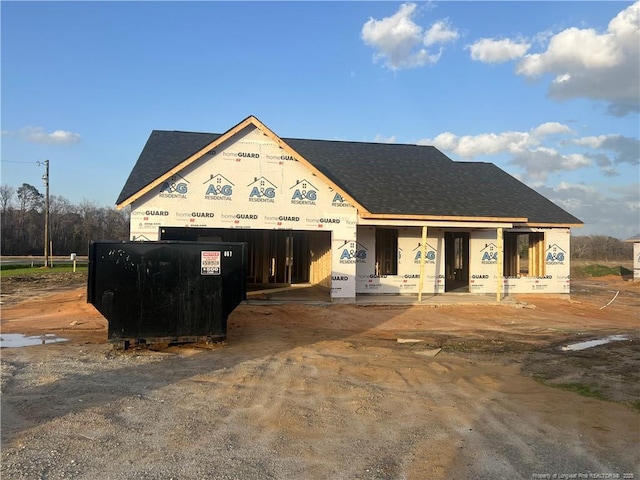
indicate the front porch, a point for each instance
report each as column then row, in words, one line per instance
column 319, row 295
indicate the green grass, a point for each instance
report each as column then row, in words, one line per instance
column 579, row 388
column 597, row 270
column 22, row 270
column 20, row 266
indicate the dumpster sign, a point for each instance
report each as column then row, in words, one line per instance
column 209, row 263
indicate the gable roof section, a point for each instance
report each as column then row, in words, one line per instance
column 153, row 156
column 381, row 180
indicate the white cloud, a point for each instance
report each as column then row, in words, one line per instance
column 400, row 42
column 491, row 143
column 624, row 149
column 611, row 150
column 445, row 141
column 568, row 186
column 381, row 139
column 528, row 150
column 440, row 32
column 531, row 152
column 488, row 50
column 597, row 65
column 611, row 211
column 572, row 49
column 38, row 135
column 592, row 142
column 470, row 146
column 549, row 128
column 540, row 162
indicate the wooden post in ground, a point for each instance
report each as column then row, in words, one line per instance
column 423, row 253
column 499, row 272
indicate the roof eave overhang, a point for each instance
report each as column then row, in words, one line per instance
column 452, row 218
column 516, row 221
column 551, row 225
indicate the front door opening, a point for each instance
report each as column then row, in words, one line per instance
column 456, row 247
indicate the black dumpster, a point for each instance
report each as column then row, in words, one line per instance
column 166, row 291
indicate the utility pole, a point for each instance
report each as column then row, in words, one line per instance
column 45, row 177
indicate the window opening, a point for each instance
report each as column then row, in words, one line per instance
column 524, row 254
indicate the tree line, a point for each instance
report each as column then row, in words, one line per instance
column 71, row 227
column 600, row 248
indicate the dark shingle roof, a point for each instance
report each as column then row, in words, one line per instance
column 383, row 178
column 163, row 151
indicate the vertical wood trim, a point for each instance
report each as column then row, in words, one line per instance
column 499, row 272
column 541, row 255
column 423, row 252
column 320, row 252
column 266, row 257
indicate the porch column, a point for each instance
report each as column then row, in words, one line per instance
column 499, row 267
column 423, row 252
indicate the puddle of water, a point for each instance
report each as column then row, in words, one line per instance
column 593, row 343
column 12, row 340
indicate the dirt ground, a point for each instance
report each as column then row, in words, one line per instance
column 303, row 391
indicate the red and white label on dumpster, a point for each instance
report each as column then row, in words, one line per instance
column 209, row 263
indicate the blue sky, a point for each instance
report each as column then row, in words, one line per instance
column 548, row 91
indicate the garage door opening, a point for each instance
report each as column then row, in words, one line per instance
column 275, row 257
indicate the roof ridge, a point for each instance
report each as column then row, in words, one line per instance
column 355, row 141
column 361, row 142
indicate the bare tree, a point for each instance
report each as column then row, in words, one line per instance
column 7, row 217
column 116, row 224
column 6, row 197
column 579, row 247
column 600, row 248
column 63, row 215
column 30, row 220
column 72, row 226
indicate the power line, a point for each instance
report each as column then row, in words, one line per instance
column 13, row 161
